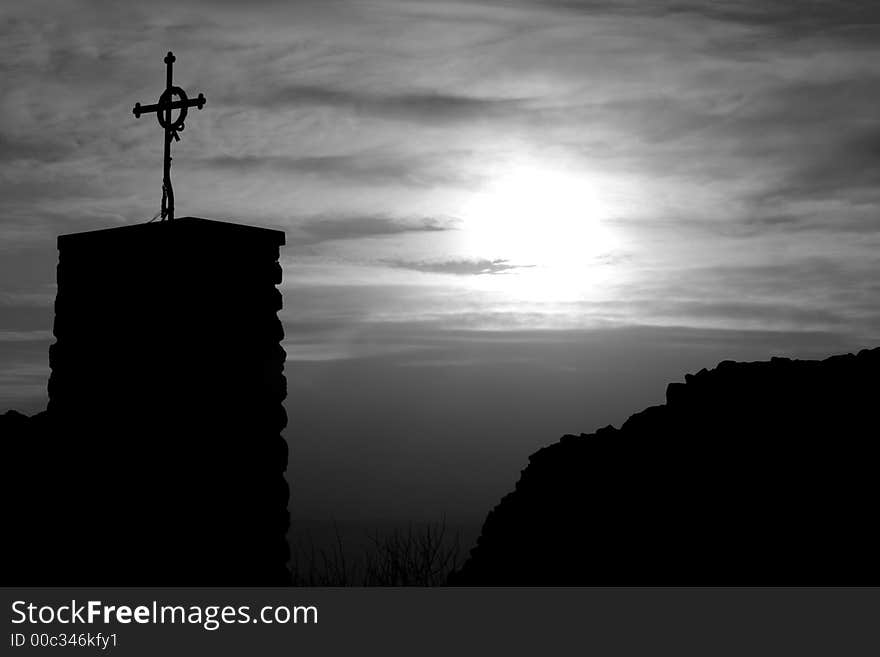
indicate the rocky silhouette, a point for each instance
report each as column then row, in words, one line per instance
column 159, row 460
column 761, row 473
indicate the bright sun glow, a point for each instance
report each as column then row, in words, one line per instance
column 549, row 224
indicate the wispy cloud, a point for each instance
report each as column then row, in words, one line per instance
column 428, row 106
column 459, row 267
column 326, row 229
column 25, row 336
column 366, row 168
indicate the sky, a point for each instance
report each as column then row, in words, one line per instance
column 505, row 220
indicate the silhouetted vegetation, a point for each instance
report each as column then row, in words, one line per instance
column 421, row 555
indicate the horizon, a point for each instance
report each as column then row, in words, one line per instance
column 505, row 221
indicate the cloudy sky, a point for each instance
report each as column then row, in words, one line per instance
column 505, row 220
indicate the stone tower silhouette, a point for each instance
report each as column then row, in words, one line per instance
column 165, row 399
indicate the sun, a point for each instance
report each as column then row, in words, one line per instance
column 548, row 225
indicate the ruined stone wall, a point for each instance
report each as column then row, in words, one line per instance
column 759, row 473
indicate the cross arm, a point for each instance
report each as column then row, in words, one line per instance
column 198, row 101
column 160, row 107
column 144, row 109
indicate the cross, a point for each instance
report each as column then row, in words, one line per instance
column 163, row 114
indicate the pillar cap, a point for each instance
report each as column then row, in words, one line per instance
column 190, row 229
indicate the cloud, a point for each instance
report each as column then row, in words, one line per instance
column 322, row 229
column 831, row 219
column 843, row 166
column 779, row 17
column 429, row 106
column 816, row 135
column 25, row 336
column 758, row 314
column 461, row 267
column 795, row 294
column 449, row 338
column 32, row 148
column 367, row 168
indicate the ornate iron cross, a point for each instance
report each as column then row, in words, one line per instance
column 163, row 114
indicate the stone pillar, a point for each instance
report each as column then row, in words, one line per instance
column 166, row 397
